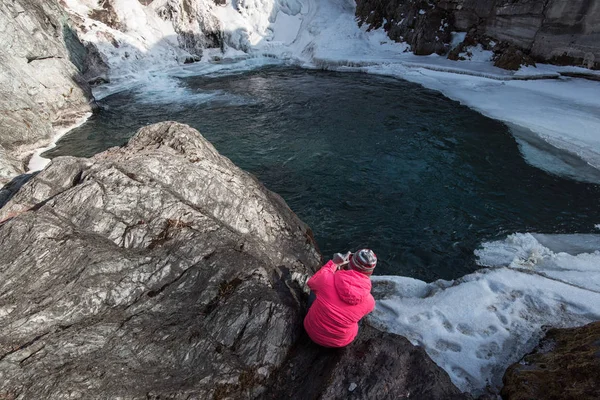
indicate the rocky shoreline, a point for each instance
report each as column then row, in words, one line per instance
column 160, row 269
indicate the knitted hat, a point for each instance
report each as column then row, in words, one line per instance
column 364, row 260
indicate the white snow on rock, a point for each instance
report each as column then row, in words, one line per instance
column 37, row 162
column 476, row 326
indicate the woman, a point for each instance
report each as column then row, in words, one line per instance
column 343, row 296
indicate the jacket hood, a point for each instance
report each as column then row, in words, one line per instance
column 352, row 286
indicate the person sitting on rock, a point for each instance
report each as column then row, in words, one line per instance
column 343, row 296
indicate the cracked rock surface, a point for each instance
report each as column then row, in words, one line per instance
column 157, row 268
column 161, row 270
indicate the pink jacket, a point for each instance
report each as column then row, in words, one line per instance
column 343, row 298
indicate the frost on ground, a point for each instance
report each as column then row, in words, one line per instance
column 476, row 326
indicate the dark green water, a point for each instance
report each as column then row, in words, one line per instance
column 365, row 161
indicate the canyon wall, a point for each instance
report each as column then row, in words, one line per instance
column 41, row 83
column 554, row 31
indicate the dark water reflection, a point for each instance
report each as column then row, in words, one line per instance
column 365, row 161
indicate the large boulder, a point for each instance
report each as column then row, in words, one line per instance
column 377, row 365
column 158, row 268
column 565, row 365
column 41, row 88
column 161, row 270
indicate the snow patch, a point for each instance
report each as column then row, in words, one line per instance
column 37, row 162
column 476, row 326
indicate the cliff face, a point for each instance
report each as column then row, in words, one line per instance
column 41, row 88
column 161, row 270
column 554, row 31
column 132, row 36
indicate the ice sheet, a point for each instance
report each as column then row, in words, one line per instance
column 475, row 326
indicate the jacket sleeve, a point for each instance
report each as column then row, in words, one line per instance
column 317, row 280
column 371, row 305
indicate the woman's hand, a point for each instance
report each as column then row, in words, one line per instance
column 341, row 259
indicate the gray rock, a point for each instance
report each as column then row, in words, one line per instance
column 157, row 268
column 40, row 88
column 553, row 31
column 9, row 166
column 161, row 270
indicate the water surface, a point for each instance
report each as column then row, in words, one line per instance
column 364, row 160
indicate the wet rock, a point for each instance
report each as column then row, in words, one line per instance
column 161, row 270
column 565, row 365
column 41, row 88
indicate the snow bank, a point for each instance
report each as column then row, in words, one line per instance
column 474, row 327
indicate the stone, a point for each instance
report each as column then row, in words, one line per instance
column 511, row 58
column 554, row 31
column 565, row 365
column 161, row 270
column 155, row 269
column 423, row 26
column 376, row 365
column 41, row 88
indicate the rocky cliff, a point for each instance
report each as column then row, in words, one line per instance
column 41, row 86
column 554, row 31
column 161, row 270
column 565, row 365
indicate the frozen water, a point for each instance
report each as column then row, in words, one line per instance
column 475, row 326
